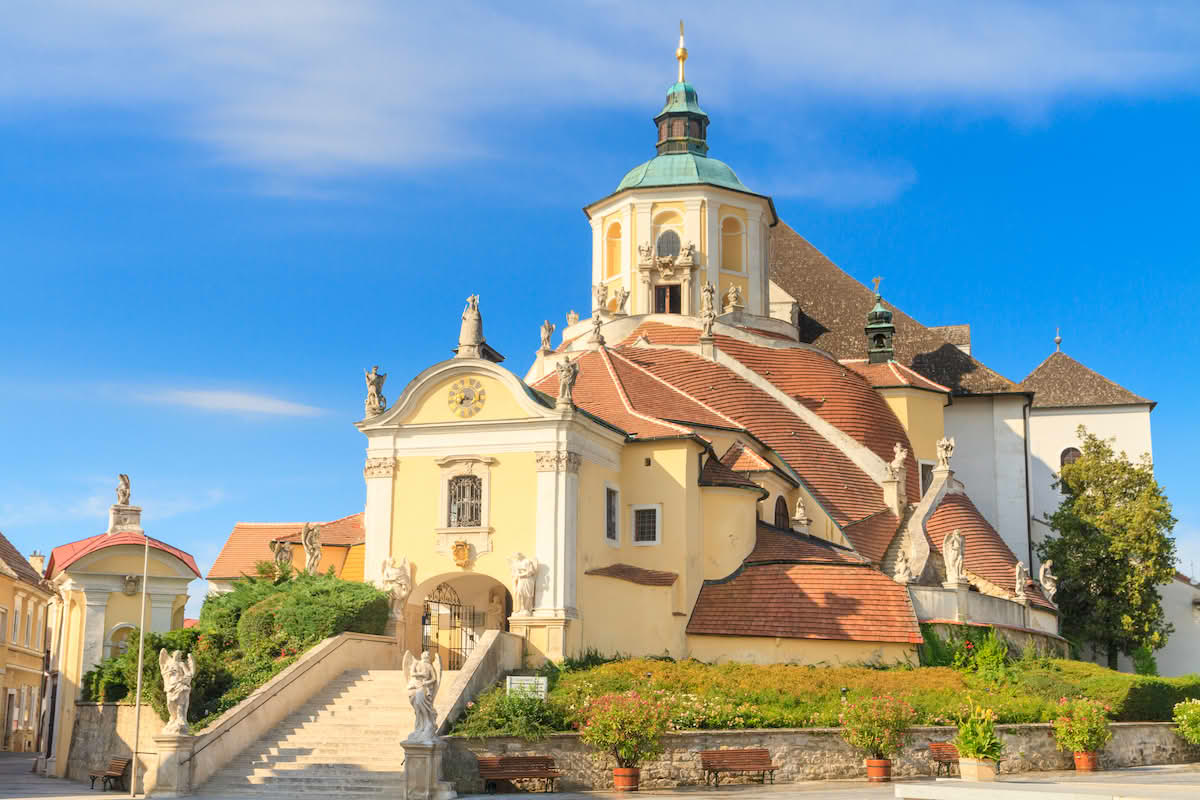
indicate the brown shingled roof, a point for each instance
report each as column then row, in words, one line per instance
column 250, row 542
column 17, row 563
column 1062, row 382
column 717, row 474
column 774, row 544
column 833, row 312
column 639, row 575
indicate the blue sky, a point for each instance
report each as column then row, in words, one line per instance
column 214, row 217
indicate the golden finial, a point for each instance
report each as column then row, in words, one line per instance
column 876, row 280
column 681, row 53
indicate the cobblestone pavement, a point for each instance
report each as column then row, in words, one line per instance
column 16, row 781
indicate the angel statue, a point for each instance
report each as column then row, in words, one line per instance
column 1048, row 581
column 707, row 290
column 177, row 682
column 903, row 572
column 547, row 331
column 600, row 291
column 422, row 678
column 310, row 535
column 122, row 489
column 283, row 553
column 622, row 297
column 952, row 552
column 524, row 572
column 945, row 450
column 376, row 402
column 567, row 371
column 572, row 317
column 1022, row 578
column 397, row 581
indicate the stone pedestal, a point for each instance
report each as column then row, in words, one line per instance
column 961, row 590
column 708, row 348
column 173, row 777
column 423, row 772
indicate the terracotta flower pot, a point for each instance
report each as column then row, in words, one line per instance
column 625, row 779
column 879, row 770
column 977, row 769
column 1087, row 762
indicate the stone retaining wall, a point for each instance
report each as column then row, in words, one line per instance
column 809, row 754
column 104, row 731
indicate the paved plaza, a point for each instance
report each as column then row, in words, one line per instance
column 17, row 781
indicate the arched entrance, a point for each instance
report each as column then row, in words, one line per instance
column 457, row 612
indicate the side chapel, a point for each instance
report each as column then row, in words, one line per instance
column 681, row 474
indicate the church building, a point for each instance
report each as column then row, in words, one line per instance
column 686, row 472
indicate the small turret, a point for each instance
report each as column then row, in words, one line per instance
column 879, row 331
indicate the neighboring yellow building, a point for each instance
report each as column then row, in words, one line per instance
column 98, row 606
column 252, row 542
column 24, row 599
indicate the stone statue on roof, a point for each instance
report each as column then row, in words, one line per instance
column 1048, row 581
column 687, row 255
column 953, row 551
column 572, row 317
column 733, row 298
column 470, row 335
column 547, row 331
column 707, row 291
column 622, row 297
column 597, row 336
column 600, row 293
column 1022, row 575
column 645, row 254
column 122, row 489
column 896, row 466
column 376, row 402
column 310, row 536
column 903, row 572
column 567, row 371
column 945, row 450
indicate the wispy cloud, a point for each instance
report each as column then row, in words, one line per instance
column 859, row 185
column 158, row 505
column 228, row 402
column 328, row 87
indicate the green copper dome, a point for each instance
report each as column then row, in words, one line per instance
column 682, row 99
column 681, row 169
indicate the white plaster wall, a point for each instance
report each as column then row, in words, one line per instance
column 1182, row 653
column 1052, row 430
column 989, row 459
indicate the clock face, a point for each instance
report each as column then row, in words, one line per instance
column 466, row 397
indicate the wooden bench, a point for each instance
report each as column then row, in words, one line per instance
column 113, row 776
column 494, row 769
column 750, row 759
column 944, row 755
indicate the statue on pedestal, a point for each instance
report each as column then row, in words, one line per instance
column 310, row 536
column 524, row 571
column 733, row 298
column 396, row 580
column 376, row 402
column 952, row 552
column 547, row 331
column 177, row 683
column 903, row 568
column 567, row 371
column 600, row 293
column 122, row 489
column 283, row 553
column 896, row 466
column 422, row 678
column 945, row 450
column 572, row 317
column 1022, row 579
column 1048, row 581
column 622, row 297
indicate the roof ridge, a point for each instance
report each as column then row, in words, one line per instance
column 695, row 400
column 620, row 387
column 920, row 376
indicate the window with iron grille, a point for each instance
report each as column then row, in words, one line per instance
column 610, row 514
column 645, row 526
column 466, row 494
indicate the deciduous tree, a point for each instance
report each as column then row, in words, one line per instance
column 1112, row 548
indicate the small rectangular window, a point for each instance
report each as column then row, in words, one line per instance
column 466, row 502
column 926, row 477
column 667, row 299
column 646, row 524
column 610, row 515
column 28, row 626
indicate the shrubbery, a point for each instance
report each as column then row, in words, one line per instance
column 243, row 639
column 1187, row 718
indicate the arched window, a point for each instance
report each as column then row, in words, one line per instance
column 612, row 250
column 733, row 243
column 118, row 639
column 782, row 519
column 668, row 243
column 1069, row 456
column 466, row 494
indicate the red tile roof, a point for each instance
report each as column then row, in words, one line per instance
column 891, row 373
column 774, row 544
column 250, row 542
column 627, row 572
column 807, row 601
column 189, row 622
column 871, row 536
column 742, row 459
column 717, row 474
column 65, row 555
column 662, row 333
column 984, row 553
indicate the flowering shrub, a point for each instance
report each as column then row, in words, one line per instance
column 977, row 736
column 878, row 727
column 628, row 726
column 1187, row 717
column 1082, row 725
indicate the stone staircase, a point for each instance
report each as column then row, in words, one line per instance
column 345, row 739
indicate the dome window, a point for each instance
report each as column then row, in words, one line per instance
column 668, row 244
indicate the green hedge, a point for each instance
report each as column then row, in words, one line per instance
column 243, row 639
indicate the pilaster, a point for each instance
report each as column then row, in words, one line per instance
column 161, row 607
column 557, row 493
column 644, row 231
column 96, row 607
column 379, row 472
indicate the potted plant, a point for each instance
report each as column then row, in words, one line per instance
column 877, row 728
column 1082, row 728
column 629, row 727
column 979, row 746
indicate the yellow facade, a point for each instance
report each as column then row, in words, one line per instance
column 815, row 652
column 921, row 414
column 23, row 609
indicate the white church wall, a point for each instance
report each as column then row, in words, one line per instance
column 989, row 459
column 1182, row 653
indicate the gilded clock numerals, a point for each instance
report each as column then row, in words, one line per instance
column 466, row 397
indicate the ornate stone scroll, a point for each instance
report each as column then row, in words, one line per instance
column 953, row 547
column 177, row 683
column 376, row 402
column 645, row 255
column 524, row 572
column 310, row 535
column 422, row 677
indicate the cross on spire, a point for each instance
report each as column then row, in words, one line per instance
column 681, row 52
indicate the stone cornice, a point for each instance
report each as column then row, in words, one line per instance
column 379, row 467
column 558, row 461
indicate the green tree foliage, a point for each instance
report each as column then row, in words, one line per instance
column 1112, row 548
column 243, row 639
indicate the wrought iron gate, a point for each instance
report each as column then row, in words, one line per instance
column 448, row 627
